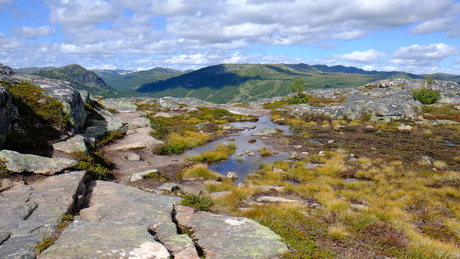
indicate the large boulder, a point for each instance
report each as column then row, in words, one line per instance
column 58, row 89
column 17, row 162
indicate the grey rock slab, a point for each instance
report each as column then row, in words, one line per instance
column 274, row 199
column 116, row 203
column 17, row 162
column 133, row 157
column 117, row 224
column 180, row 245
column 29, row 213
column 230, row 237
column 140, row 175
column 168, row 187
column 84, row 239
column 76, row 143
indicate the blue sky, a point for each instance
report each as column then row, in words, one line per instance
column 418, row 36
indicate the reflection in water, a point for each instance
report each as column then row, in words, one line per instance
column 243, row 165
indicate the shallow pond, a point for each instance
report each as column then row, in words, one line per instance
column 243, row 165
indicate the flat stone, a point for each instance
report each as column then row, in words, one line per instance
column 84, row 239
column 133, row 157
column 232, row 176
column 405, row 128
column 274, row 199
column 311, row 166
column 266, row 188
column 252, row 141
column 169, row 187
column 116, row 225
column 29, row 213
column 140, row 175
column 76, row 143
column 17, row 162
column 230, row 237
column 278, row 170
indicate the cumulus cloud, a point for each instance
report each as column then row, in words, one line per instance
column 9, row 43
column 417, row 55
column 368, row 56
column 74, row 14
column 33, row 33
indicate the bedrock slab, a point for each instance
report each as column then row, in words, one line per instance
column 230, row 237
column 120, row 222
column 29, row 213
column 17, row 162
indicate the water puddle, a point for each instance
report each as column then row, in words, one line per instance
column 245, row 164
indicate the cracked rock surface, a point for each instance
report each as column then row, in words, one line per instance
column 29, row 213
column 230, row 237
column 120, row 222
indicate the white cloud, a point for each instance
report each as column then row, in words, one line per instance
column 9, row 43
column 75, row 14
column 33, row 33
column 417, row 55
column 368, row 56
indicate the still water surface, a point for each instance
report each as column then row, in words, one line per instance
column 243, row 165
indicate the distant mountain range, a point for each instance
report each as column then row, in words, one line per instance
column 125, row 80
column 249, row 82
column 220, row 83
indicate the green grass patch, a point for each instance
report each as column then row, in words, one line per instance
column 200, row 171
column 199, row 202
column 95, row 163
column 220, row 152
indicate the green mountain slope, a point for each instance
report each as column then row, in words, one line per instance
column 82, row 78
column 124, row 80
column 248, row 82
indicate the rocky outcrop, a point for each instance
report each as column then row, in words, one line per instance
column 30, row 213
column 58, row 89
column 18, row 163
column 382, row 100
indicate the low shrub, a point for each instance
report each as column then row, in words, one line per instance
column 199, row 202
column 110, row 136
column 95, row 163
column 426, row 95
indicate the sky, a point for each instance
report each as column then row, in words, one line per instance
column 417, row 36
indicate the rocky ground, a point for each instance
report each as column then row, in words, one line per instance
column 132, row 217
column 115, row 219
